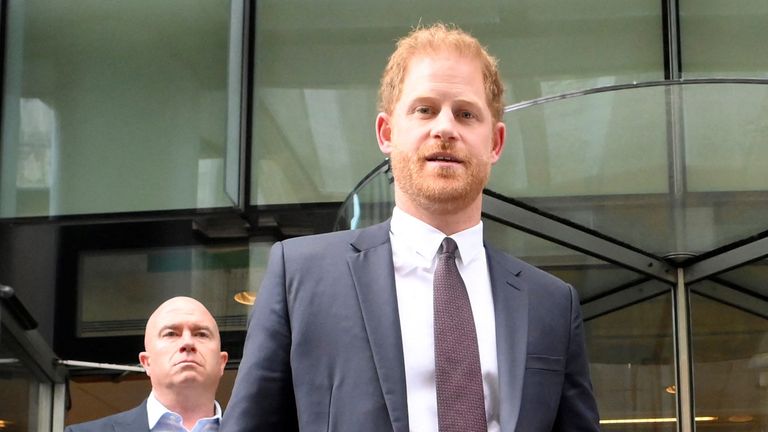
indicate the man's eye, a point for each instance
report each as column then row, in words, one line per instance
column 168, row 334
column 466, row 115
column 423, row 110
column 203, row 334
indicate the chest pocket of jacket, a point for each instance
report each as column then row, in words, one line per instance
column 543, row 362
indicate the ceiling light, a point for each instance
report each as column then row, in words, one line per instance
column 245, row 297
column 740, row 418
column 653, row 420
column 671, row 389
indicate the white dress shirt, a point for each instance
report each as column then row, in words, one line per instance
column 161, row 419
column 414, row 254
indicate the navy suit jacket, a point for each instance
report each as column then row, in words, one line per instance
column 324, row 350
column 134, row 420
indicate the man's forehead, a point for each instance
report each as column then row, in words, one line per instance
column 184, row 315
column 181, row 322
column 443, row 66
column 181, row 314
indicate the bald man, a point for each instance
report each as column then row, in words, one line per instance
column 182, row 357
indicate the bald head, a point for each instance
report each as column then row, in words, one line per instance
column 182, row 351
column 179, row 306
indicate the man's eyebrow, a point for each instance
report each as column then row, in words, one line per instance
column 431, row 98
column 168, row 327
column 469, row 101
column 195, row 327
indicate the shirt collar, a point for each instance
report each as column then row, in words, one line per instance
column 425, row 239
column 155, row 410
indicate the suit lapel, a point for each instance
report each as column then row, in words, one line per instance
column 374, row 279
column 510, row 304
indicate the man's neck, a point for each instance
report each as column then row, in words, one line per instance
column 188, row 404
column 448, row 219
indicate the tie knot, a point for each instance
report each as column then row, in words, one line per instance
column 449, row 247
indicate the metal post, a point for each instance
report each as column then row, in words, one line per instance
column 684, row 359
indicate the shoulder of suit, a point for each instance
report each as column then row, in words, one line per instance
column 100, row 425
column 337, row 240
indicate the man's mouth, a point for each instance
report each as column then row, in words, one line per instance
column 443, row 158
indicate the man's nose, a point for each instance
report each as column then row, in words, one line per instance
column 444, row 126
column 187, row 342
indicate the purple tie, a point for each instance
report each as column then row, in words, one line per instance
column 460, row 401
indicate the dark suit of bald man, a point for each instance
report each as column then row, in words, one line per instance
column 134, row 420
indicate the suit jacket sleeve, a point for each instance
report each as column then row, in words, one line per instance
column 262, row 397
column 577, row 410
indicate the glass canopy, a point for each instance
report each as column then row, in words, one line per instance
column 672, row 167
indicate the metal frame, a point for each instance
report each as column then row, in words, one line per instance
column 727, row 260
column 578, row 238
column 39, row 359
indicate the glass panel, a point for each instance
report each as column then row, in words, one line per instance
column 140, row 279
column 725, row 147
column 730, row 355
column 722, row 38
column 749, row 279
column 632, row 364
column 581, row 158
column 370, row 203
column 597, row 144
column 18, row 389
column 115, row 106
column 313, row 119
column 609, row 161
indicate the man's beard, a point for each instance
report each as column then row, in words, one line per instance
column 442, row 190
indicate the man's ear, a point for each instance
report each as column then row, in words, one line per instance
column 497, row 145
column 384, row 132
column 224, row 357
column 144, row 360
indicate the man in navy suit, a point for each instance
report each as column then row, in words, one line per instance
column 184, row 361
column 343, row 333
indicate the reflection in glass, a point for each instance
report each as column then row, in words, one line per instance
column 730, row 355
column 140, row 279
column 37, row 149
column 114, row 107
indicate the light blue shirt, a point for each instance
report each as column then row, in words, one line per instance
column 161, row 419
